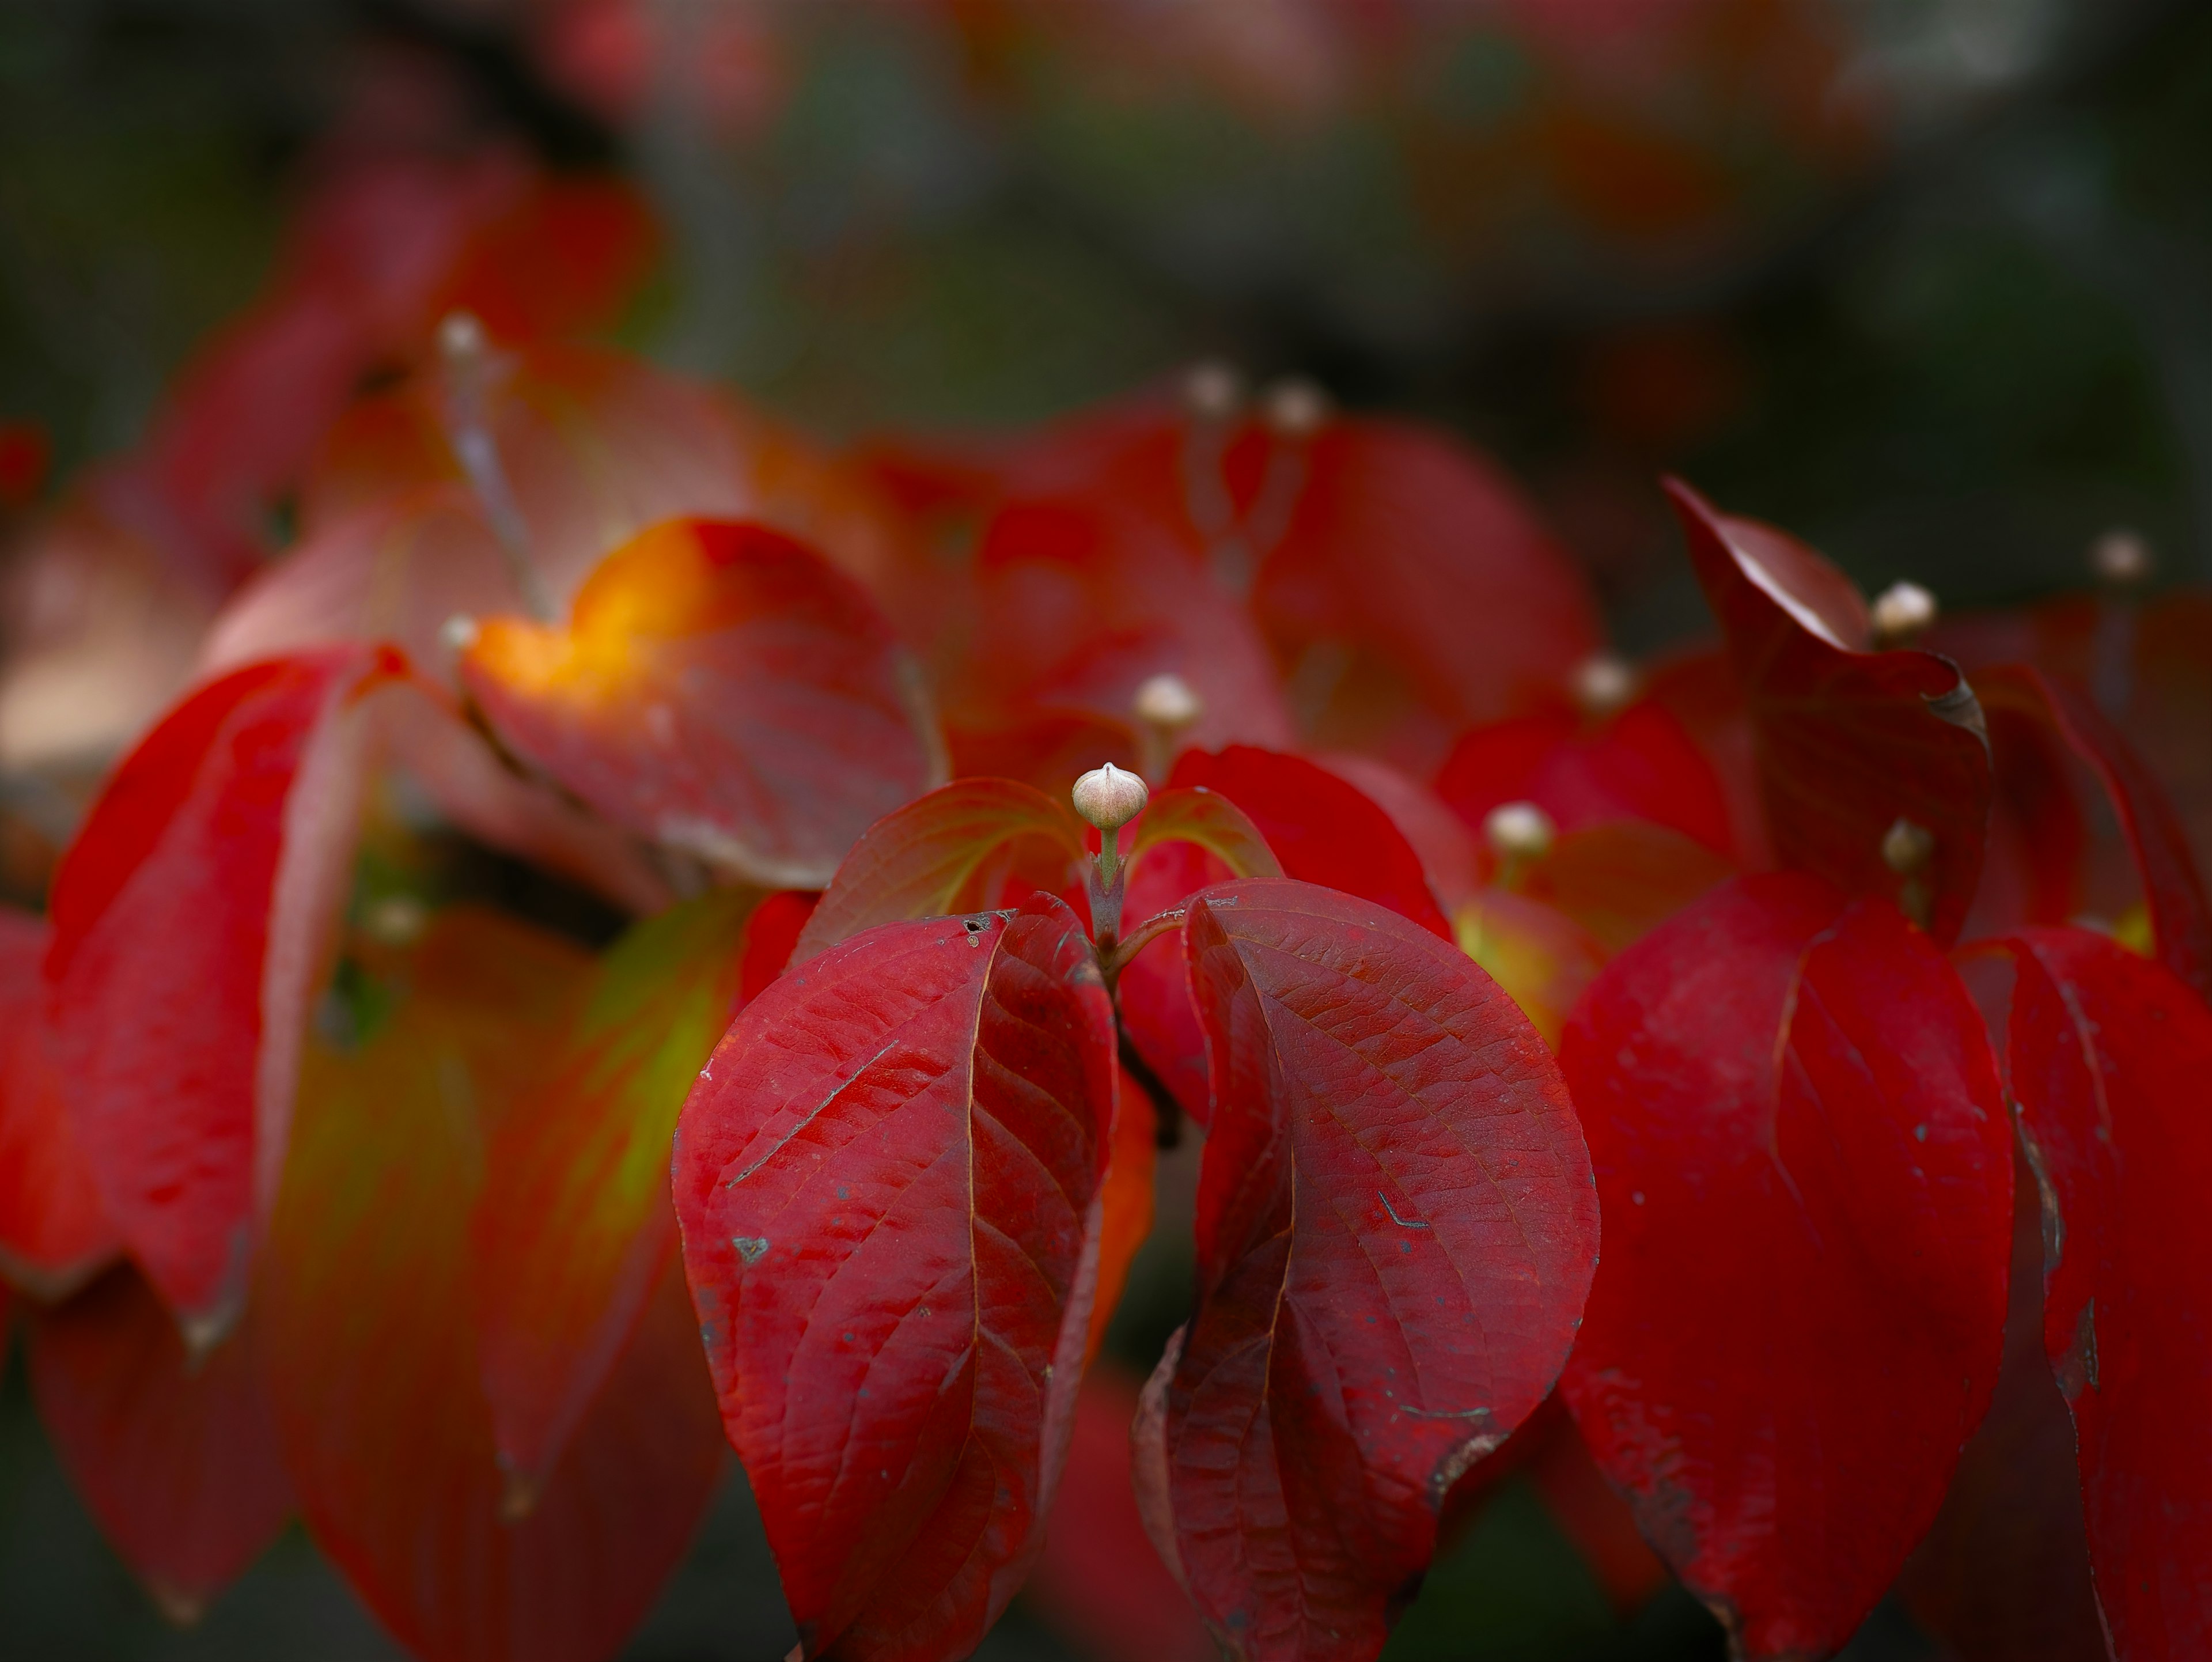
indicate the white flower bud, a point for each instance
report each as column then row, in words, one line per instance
column 1111, row 797
column 1212, row 390
column 1296, row 408
column 1603, row 684
column 1900, row 614
column 2121, row 559
column 458, row 633
column 461, row 337
column 1518, row 831
column 1166, row 702
column 1906, row 848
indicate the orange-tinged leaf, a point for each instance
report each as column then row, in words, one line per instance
column 572, row 1230
column 1542, row 958
column 1622, row 879
column 889, row 1183
column 191, row 919
column 54, row 1229
column 957, row 849
column 173, row 1453
column 722, row 689
column 374, row 1372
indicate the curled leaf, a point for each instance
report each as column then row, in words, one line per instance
column 1396, row 1229
column 722, row 689
column 889, row 1180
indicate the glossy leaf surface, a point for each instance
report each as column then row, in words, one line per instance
column 374, row 1368
column 54, row 1230
column 723, row 689
column 225, row 838
column 1848, row 741
column 1396, row 1229
column 572, row 1230
column 2108, row 1055
column 951, row 850
column 173, row 1454
column 889, row 1183
column 1803, row 1148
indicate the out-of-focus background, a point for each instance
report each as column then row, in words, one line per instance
column 1930, row 281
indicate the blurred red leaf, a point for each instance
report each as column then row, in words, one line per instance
column 1125, row 1205
column 960, row 848
column 889, row 1183
column 722, row 689
column 1448, row 853
column 1848, row 741
column 173, row 1452
column 1538, row 955
column 2174, row 892
column 191, row 919
column 1622, row 879
column 1396, row 1229
column 1801, row 1144
column 1098, row 1580
column 2107, row 1055
column 1638, row 765
column 374, row 1371
column 26, row 453
column 54, row 1231
column 1322, row 829
column 1203, row 817
column 572, row 1228
column 562, row 261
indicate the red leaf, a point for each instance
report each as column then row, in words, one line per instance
column 191, row 919
column 1396, row 1229
column 1125, row 1204
column 374, row 1369
column 1323, row 829
column 721, row 688
column 2174, row 892
column 1622, row 879
column 960, row 847
column 1640, row 764
column 1541, row 958
column 1450, row 854
column 1802, row 1147
column 572, row 1229
column 888, row 1180
column 173, row 1452
column 2107, row 1055
column 1097, row 1580
column 1848, row 741
column 54, row 1232
column 1425, row 561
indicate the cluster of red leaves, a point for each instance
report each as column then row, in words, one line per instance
column 410, row 1265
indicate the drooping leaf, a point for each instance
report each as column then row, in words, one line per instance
column 889, row 1183
column 723, row 689
column 1848, row 741
column 191, row 919
column 1638, row 765
column 1152, row 996
column 572, row 1229
column 1396, row 1230
column 2107, row 1056
column 1802, row 1147
column 374, row 1372
column 2174, row 890
column 54, row 1231
column 173, row 1453
column 953, row 850
column 1322, row 829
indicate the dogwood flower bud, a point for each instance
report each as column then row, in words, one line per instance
column 458, row 633
column 460, row 338
column 1212, row 390
column 2121, row 558
column 1166, row 701
column 1111, row 797
column 1602, row 684
column 1518, row 831
column 1295, row 408
column 1900, row 614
